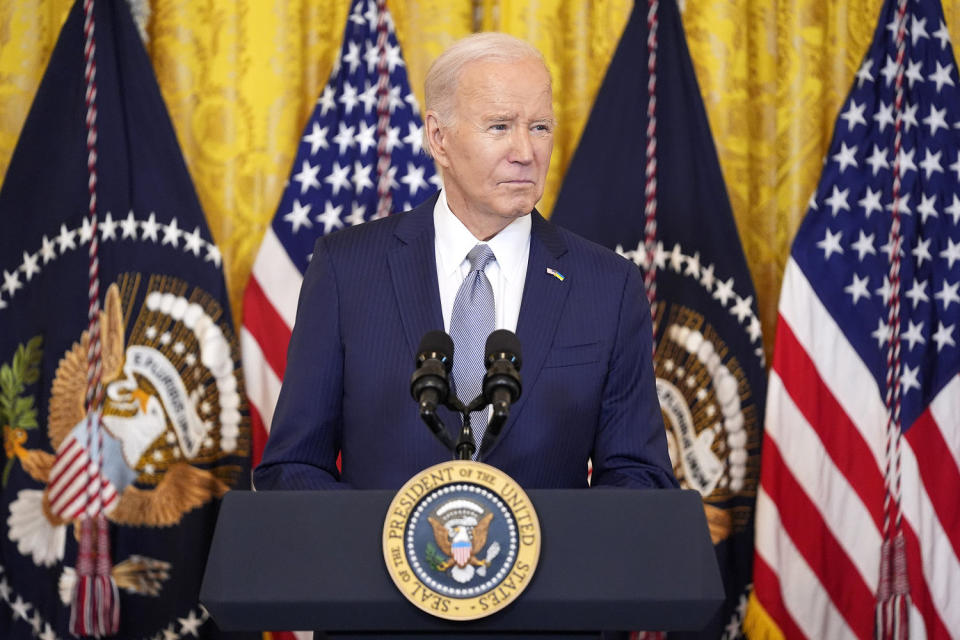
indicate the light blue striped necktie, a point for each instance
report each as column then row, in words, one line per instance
column 470, row 324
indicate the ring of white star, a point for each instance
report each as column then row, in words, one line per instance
column 721, row 290
column 128, row 228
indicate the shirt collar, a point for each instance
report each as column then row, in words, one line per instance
column 454, row 241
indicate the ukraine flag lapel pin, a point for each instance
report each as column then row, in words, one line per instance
column 556, row 274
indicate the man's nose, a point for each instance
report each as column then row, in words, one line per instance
column 521, row 146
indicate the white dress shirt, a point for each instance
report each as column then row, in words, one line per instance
column 511, row 248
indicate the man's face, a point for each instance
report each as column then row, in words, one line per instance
column 496, row 152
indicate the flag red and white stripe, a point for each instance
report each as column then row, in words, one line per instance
column 820, row 506
column 858, row 520
column 71, row 491
column 269, row 310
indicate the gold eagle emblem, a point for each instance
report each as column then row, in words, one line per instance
column 183, row 487
column 172, row 399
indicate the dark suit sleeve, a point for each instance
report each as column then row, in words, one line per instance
column 301, row 452
column 630, row 449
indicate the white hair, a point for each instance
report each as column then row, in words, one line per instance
column 443, row 76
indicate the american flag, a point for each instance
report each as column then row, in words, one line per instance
column 862, row 298
column 360, row 157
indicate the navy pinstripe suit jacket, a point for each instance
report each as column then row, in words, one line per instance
column 369, row 295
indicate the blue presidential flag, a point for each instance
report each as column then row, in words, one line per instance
column 645, row 181
column 174, row 428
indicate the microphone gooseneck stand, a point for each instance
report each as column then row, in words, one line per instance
column 430, row 387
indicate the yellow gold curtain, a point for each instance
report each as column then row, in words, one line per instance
column 240, row 78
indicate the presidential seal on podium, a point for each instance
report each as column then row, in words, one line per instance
column 461, row 540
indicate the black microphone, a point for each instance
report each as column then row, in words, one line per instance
column 501, row 384
column 430, row 385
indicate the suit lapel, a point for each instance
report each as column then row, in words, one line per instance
column 544, row 296
column 413, row 268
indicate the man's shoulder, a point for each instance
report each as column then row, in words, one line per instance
column 382, row 227
column 581, row 249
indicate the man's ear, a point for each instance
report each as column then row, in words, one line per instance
column 436, row 137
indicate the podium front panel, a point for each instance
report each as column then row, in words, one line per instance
column 612, row 559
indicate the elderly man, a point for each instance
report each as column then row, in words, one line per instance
column 474, row 258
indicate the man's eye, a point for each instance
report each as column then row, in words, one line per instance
column 542, row 128
column 498, row 127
